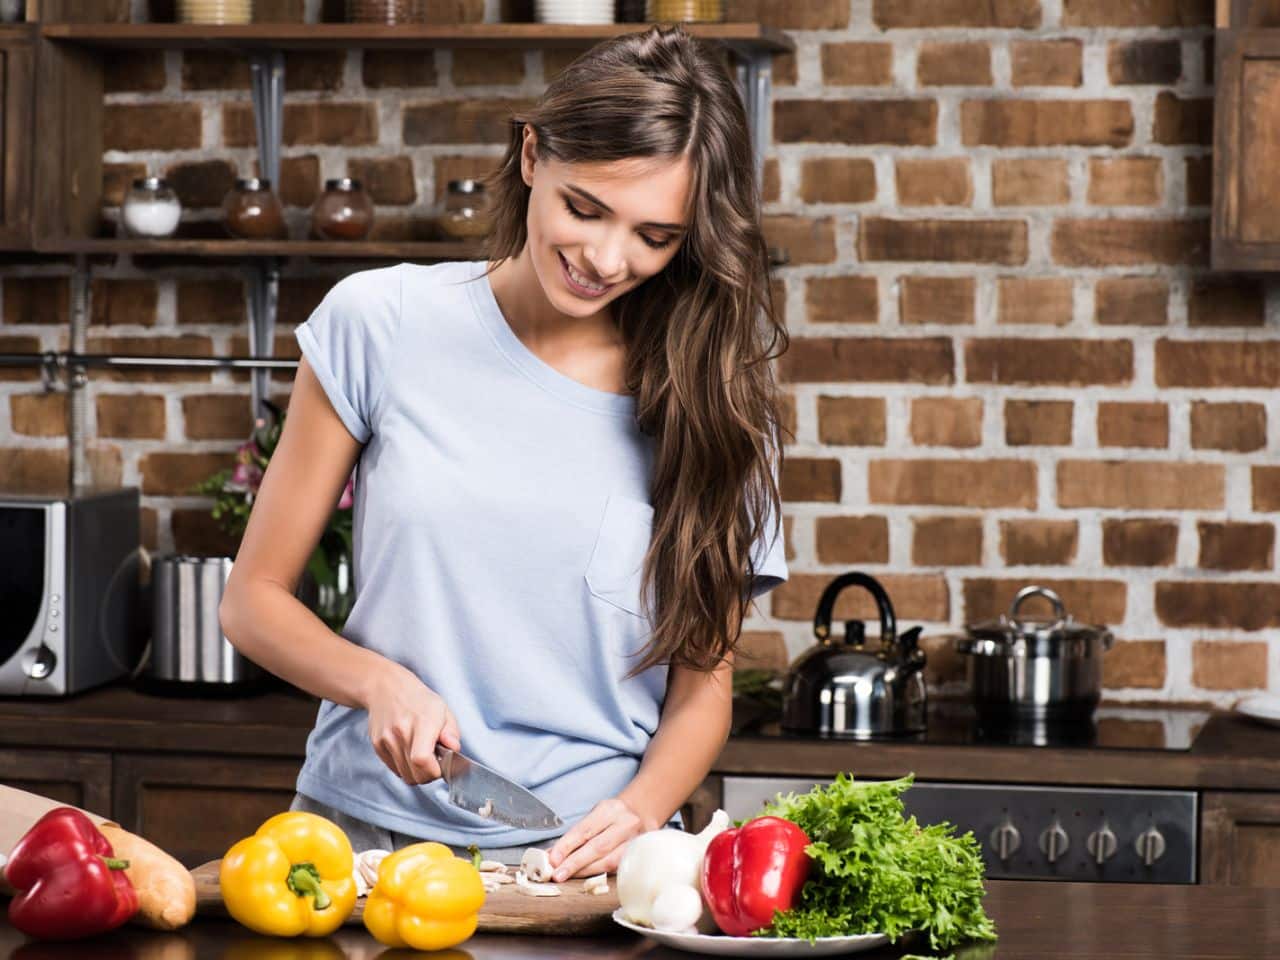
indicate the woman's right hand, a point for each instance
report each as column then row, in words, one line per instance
column 406, row 718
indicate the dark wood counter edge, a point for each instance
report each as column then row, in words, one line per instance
column 1059, row 921
column 1231, row 753
column 117, row 718
column 1083, row 767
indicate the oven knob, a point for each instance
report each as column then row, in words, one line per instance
column 1054, row 841
column 1101, row 844
column 1006, row 840
column 1150, row 845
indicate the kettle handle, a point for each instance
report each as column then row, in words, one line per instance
column 822, row 619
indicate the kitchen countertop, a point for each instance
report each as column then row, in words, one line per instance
column 1048, row 921
column 1230, row 752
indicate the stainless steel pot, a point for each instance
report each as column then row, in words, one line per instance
column 1034, row 670
column 188, row 648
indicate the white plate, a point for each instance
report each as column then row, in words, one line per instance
column 1263, row 707
column 722, row 946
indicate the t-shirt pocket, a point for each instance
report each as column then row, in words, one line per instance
column 617, row 560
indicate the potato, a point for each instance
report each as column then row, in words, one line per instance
column 166, row 889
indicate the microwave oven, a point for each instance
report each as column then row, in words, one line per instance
column 69, row 590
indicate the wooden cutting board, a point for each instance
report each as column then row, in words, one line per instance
column 573, row 913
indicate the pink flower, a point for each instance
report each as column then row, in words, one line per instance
column 246, row 476
column 247, row 452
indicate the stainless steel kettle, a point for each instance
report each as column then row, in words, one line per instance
column 843, row 688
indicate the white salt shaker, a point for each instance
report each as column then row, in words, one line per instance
column 151, row 209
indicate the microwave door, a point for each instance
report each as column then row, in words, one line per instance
column 23, row 572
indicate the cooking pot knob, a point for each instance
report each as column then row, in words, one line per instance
column 1101, row 844
column 1054, row 841
column 1150, row 845
column 1006, row 840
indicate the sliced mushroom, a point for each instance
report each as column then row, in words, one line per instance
column 366, row 869
column 492, row 866
column 599, row 884
column 531, row 889
column 536, row 864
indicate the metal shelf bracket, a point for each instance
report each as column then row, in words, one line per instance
column 754, row 73
column 267, row 74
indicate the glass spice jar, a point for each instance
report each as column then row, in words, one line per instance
column 150, row 209
column 252, row 212
column 465, row 216
column 343, row 212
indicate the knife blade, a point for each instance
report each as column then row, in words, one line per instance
column 487, row 793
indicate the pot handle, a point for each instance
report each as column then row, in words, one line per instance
column 1026, row 593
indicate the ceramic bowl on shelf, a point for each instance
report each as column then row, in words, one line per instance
column 574, row 11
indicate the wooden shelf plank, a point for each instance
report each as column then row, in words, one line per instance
column 299, row 36
column 357, row 250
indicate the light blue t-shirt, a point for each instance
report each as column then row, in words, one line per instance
column 501, row 518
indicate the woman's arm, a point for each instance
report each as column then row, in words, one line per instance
column 265, row 621
column 696, row 719
column 259, row 613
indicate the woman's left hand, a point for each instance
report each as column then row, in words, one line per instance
column 595, row 843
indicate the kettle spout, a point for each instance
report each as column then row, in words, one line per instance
column 910, row 639
column 909, row 645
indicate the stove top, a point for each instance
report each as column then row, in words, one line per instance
column 1115, row 727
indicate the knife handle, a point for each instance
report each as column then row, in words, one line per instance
column 445, row 758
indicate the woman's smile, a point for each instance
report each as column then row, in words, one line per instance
column 579, row 283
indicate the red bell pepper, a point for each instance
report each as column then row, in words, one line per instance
column 751, row 871
column 70, row 883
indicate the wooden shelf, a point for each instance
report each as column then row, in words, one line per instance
column 357, row 250
column 286, row 36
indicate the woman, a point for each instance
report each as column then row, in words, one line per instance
column 567, row 486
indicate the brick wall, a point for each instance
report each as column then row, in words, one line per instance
column 1010, row 360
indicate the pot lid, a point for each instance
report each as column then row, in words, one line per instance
column 1008, row 628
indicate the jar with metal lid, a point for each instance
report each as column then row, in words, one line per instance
column 686, row 11
column 387, row 11
column 150, row 209
column 465, row 215
column 252, row 212
column 343, row 212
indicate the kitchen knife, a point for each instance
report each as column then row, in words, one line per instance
column 487, row 793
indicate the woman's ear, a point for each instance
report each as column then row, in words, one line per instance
column 528, row 154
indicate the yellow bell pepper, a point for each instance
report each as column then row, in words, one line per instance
column 293, row 876
column 425, row 898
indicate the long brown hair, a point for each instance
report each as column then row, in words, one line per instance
column 698, row 334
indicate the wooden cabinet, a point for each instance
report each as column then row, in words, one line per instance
column 78, row 778
column 195, row 807
column 1240, row 839
column 17, row 123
